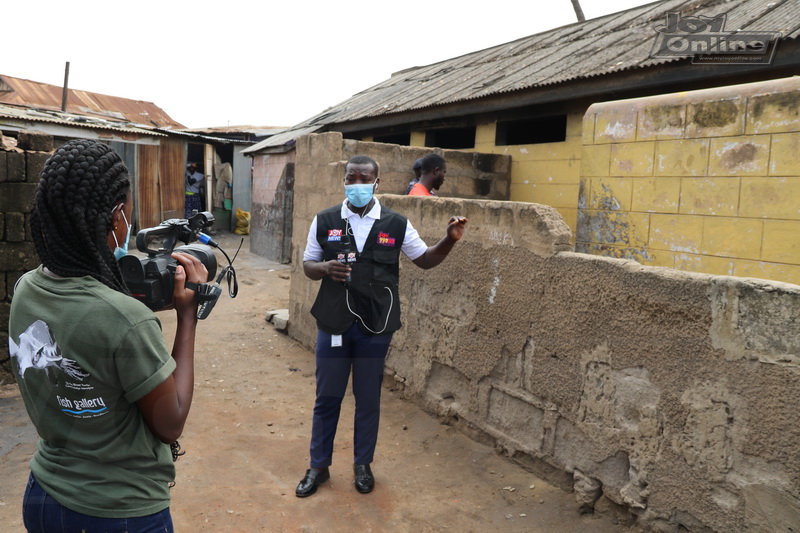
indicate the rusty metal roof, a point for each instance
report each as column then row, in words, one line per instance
column 602, row 46
column 16, row 114
column 44, row 96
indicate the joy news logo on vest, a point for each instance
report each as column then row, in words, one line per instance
column 705, row 40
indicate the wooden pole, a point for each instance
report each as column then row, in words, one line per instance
column 576, row 4
column 65, row 92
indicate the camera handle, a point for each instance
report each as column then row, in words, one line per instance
column 207, row 296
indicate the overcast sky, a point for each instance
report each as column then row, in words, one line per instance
column 262, row 63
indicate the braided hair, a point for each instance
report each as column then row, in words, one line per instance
column 80, row 185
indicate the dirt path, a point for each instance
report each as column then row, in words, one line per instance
column 247, row 438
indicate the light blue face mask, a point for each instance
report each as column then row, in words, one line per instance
column 359, row 194
column 122, row 251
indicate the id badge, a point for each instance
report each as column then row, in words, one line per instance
column 336, row 341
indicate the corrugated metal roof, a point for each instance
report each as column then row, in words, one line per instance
column 281, row 139
column 27, row 114
column 612, row 43
column 45, row 96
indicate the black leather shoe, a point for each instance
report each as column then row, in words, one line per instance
column 365, row 482
column 313, row 479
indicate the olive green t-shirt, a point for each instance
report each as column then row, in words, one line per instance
column 83, row 354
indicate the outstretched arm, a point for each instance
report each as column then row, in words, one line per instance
column 166, row 408
column 435, row 254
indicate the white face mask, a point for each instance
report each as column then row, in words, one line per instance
column 121, row 251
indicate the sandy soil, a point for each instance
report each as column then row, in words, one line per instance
column 247, row 438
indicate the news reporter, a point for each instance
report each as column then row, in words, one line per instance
column 354, row 249
column 107, row 398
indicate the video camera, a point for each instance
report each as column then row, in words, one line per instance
column 151, row 279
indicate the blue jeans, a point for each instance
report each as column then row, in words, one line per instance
column 43, row 514
column 364, row 356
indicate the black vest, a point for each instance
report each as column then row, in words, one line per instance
column 372, row 292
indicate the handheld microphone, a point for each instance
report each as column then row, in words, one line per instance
column 346, row 251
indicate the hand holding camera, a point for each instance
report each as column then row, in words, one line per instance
column 156, row 279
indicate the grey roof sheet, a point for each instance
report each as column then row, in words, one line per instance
column 281, row 139
column 23, row 113
column 612, row 43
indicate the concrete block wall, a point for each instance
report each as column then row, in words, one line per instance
column 705, row 181
column 273, row 200
column 470, row 174
column 670, row 397
column 20, row 166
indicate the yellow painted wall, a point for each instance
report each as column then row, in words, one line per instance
column 706, row 181
column 547, row 173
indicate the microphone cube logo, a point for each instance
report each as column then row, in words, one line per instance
column 705, row 40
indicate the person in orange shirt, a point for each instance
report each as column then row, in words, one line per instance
column 431, row 179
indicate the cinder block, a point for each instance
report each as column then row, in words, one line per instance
column 35, row 163
column 609, row 194
column 28, row 234
column 732, row 237
column 661, row 122
column 771, row 197
column 710, row 196
column 4, row 287
column 720, row 266
column 16, row 196
column 15, row 166
column 595, row 160
column 656, row 195
column 14, row 227
column 3, row 165
column 682, row 158
column 5, row 311
column 557, row 195
column 740, row 156
column 616, row 125
column 562, row 171
column 18, row 256
column 569, row 149
column 587, row 134
column 773, row 113
column 570, row 216
column 765, row 270
column 485, row 134
column 632, row 159
column 523, row 192
column 12, row 276
column 2, row 224
column 36, row 141
column 720, row 118
column 781, row 242
column 783, row 157
column 677, row 233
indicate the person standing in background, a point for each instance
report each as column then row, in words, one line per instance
column 194, row 188
column 417, row 169
column 433, row 169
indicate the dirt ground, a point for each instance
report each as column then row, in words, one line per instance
column 247, row 440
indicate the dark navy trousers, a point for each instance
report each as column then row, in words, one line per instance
column 364, row 355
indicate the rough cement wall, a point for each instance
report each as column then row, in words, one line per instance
column 706, row 181
column 19, row 174
column 273, row 199
column 671, row 395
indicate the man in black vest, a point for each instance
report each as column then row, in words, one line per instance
column 354, row 248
